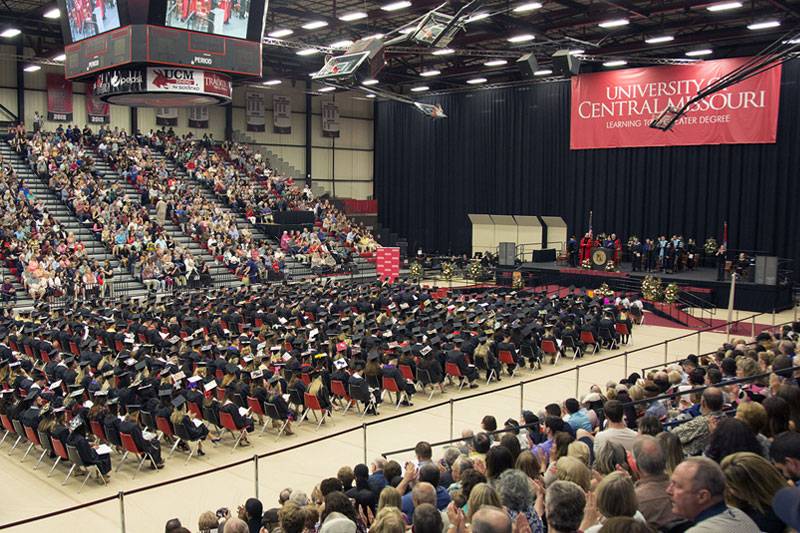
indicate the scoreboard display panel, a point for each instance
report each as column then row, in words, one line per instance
column 143, row 44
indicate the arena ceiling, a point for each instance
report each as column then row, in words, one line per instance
column 683, row 25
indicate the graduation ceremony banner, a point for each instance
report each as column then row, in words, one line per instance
column 97, row 111
column 255, row 114
column 198, row 117
column 166, row 116
column 613, row 109
column 330, row 119
column 281, row 114
column 59, row 98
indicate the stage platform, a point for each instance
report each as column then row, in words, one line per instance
column 701, row 282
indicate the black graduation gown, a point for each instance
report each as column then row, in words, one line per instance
column 88, row 454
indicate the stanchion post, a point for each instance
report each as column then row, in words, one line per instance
column 626, row 365
column 773, row 317
column 364, row 432
column 521, row 396
column 753, row 327
column 698, row 342
column 577, row 379
column 121, row 496
column 255, row 472
column 666, row 351
column 451, row 419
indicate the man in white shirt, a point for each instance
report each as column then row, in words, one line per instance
column 616, row 430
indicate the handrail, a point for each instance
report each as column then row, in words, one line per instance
column 362, row 427
column 678, row 361
column 9, row 113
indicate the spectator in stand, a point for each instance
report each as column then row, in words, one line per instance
column 697, row 491
column 654, row 503
column 616, row 430
column 565, row 503
column 751, row 484
column 785, row 454
column 695, row 433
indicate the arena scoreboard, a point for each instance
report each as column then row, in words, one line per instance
column 214, row 35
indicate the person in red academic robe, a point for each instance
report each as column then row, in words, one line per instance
column 101, row 6
column 586, row 247
column 617, row 248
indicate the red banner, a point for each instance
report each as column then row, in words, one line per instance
column 97, row 111
column 388, row 264
column 613, row 109
column 59, row 98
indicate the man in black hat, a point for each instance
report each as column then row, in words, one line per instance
column 457, row 357
column 131, row 427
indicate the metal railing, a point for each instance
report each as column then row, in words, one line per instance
column 363, row 428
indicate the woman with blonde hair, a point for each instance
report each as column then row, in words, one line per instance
column 388, row 520
column 482, row 494
column 750, row 484
column 673, row 449
column 611, row 456
column 572, row 469
column 614, row 496
column 579, row 450
column 208, row 523
column 390, row 497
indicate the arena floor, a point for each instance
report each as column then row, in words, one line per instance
column 29, row 493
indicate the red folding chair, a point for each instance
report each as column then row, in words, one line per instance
column 306, row 379
column 587, row 338
column 61, row 452
column 507, row 358
column 165, row 427
column 390, row 386
column 256, row 408
column 9, row 427
column 196, row 409
column 313, row 406
column 408, row 374
column 75, row 457
column 98, row 431
column 453, row 372
column 131, row 448
column 549, row 347
column 227, row 422
column 623, row 330
column 73, row 348
column 33, row 438
column 339, row 393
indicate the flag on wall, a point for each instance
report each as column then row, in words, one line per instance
column 97, row 111
column 254, row 111
column 330, row 119
column 59, row 98
column 198, row 117
column 166, row 116
column 281, row 114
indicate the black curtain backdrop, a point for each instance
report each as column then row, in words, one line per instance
column 507, row 152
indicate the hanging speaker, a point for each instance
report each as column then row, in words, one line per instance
column 565, row 64
column 527, row 66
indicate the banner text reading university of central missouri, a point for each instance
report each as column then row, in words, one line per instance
column 613, row 109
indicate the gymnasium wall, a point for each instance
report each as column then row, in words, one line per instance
column 507, row 152
column 343, row 166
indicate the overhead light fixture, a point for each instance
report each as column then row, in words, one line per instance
column 419, row 89
column 444, row 52
column 272, row 82
column 724, row 6
column 370, row 82
column 307, row 52
column 792, row 41
column 313, row 73
column 327, row 89
column 430, row 73
column 615, row 63
column 496, row 63
column 528, row 6
column 476, row 81
column 479, row 16
column 10, row 32
column 60, row 58
column 355, row 15
column 32, row 68
column 396, row 6
column 53, row 13
column 277, row 34
column 576, row 52
column 370, row 95
column 315, row 25
column 660, row 39
column 615, row 23
column 763, row 25
column 342, row 44
column 376, row 36
column 521, row 38
column 700, row 52
column 407, row 30
column 543, row 72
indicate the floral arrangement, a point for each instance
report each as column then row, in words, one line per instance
column 651, row 288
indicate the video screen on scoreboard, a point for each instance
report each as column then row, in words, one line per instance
column 87, row 18
column 228, row 18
